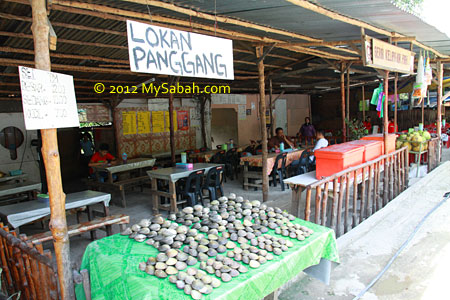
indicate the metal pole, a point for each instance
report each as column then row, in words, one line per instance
column 440, row 73
column 262, row 115
column 344, row 130
column 385, row 112
column 395, row 101
column 50, row 153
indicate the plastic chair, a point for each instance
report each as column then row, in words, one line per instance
column 279, row 170
column 213, row 182
column 231, row 163
column 192, row 189
column 302, row 165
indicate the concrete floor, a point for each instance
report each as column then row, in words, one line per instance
column 416, row 274
column 421, row 271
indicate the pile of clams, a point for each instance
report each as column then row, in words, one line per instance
column 223, row 237
column 195, row 282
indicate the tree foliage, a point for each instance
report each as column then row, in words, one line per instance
column 411, row 6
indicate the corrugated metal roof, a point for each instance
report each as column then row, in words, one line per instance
column 284, row 15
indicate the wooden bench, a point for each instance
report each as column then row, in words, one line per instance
column 78, row 229
column 120, row 185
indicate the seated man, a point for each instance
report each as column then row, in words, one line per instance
column 322, row 142
column 102, row 157
column 274, row 142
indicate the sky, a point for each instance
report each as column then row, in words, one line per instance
column 435, row 13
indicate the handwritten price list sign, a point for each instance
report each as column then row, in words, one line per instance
column 48, row 99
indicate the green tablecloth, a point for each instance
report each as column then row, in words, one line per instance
column 113, row 262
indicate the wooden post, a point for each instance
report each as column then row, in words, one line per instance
column 172, row 135
column 385, row 110
column 423, row 109
column 395, row 101
column 203, row 100
column 440, row 73
column 364, row 103
column 262, row 116
column 50, row 153
column 344, row 130
column 270, row 107
column 347, row 104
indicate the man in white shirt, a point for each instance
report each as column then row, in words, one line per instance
column 321, row 142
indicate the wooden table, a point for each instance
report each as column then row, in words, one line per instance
column 256, row 161
column 28, row 187
column 171, row 175
column 136, row 164
column 26, row 212
column 15, row 178
column 203, row 156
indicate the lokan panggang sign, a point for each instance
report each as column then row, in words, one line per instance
column 159, row 50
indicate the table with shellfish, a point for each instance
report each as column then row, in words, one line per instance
column 231, row 248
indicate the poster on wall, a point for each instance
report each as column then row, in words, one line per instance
column 166, row 114
column 158, row 121
column 159, row 50
column 242, row 114
column 143, row 119
column 129, row 122
column 183, row 120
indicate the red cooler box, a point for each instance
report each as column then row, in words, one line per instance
column 333, row 159
column 372, row 149
column 379, row 137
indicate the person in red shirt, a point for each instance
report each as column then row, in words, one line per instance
column 368, row 125
column 391, row 126
column 102, row 157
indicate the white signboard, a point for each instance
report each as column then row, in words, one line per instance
column 228, row 99
column 159, row 50
column 48, row 99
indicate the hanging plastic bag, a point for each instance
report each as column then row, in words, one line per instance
column 428, row 76
column 376, row 94
column 420, row 70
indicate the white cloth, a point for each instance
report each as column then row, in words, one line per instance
column 22, row 213
column 321, row 143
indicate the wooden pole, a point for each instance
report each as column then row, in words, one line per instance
column 347, row 104
column 364, row 103
column 262, row 116
column 386, row 113
column 395, row 100
column 203, row 100
column 344, row 132
column 440, row 73
column 270, row 107
column 423, row 109
column 50, row 153
column 172, row 135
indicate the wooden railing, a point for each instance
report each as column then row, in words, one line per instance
column 377, row 182
column 433, row 153
column 26, row 268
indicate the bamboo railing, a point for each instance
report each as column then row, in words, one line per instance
column 434, row 154
column 26, row 268
column 352, row 201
